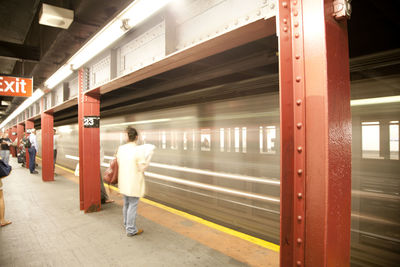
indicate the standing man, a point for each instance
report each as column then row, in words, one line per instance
column 132, row 162
column 32, row 151
column 55, row 143
column 5, row 148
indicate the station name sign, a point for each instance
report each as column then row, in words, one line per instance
column 16, row 86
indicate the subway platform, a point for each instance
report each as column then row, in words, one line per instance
column 48, row 229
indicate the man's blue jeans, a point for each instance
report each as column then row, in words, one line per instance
column 32, row 157
column 129, row 211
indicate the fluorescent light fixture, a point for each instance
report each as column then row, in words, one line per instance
column 131, row 16
column 134, row 14
column 5, row 103
column 376, row 100
column 35, row 96
column 60, row 75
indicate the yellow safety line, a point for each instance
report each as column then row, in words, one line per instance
column 252, row 239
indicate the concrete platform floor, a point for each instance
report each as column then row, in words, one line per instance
column 48, row 229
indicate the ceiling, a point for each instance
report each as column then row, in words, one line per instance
column 33, row 50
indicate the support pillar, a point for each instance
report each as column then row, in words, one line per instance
column 89, row 148
column 20, row 133
column 47, row 147
column 315, row 135
column 13, row 136
column 28, row 126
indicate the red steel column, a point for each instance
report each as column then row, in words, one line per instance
column 47, row 147
column 89, row 149
column 28, row 125
column 315, row 135
column 20, row 133
column 13, row 136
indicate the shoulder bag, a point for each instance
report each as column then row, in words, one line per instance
column 111, row 174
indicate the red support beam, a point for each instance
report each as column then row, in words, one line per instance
column 20, row 132
column 28, row 125
column 89, row 148
column 47, row 147
column 315, row 135
column 13, row 136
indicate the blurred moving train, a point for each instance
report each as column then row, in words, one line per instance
column 218, row 147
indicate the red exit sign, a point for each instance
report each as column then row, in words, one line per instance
column 16, row 86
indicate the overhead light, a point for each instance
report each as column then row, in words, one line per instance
column 134, row 14
column 56, row 16
column 29, row 101
column 60, row 75
column 5, row 103
column 376, row 100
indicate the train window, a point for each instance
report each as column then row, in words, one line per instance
column 244, row 139
column 205, row 139
column 237, row 139
column 194, row 139
column 163, row 140
column 370, row 140
column 394, row 139
column 267, row 139
column 185, row 141
column 229, row 141
column 174, row 140
column 143, row 137
column 221, row 139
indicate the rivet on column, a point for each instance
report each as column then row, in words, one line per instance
column 299, row 195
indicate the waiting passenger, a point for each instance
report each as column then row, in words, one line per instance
column 55, row 144
column 3, row 222
column 5, row 148
column 132, row 162
column 104, row 196
column 32, row 150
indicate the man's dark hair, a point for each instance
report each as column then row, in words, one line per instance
column 132, row 134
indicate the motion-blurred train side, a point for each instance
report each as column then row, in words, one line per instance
column 220, row 161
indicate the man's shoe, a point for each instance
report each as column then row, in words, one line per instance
column 35, row 172
column 137, row 233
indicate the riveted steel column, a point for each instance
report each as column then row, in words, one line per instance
column 315, row 135
column 47, row 146
column 89, row 149
column 20, row 133
column 81, row 74
column 28, row 125
column 13, row 136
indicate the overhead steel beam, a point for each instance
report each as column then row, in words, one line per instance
column 19, row 52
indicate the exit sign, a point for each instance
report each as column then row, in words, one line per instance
column 16, row 86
